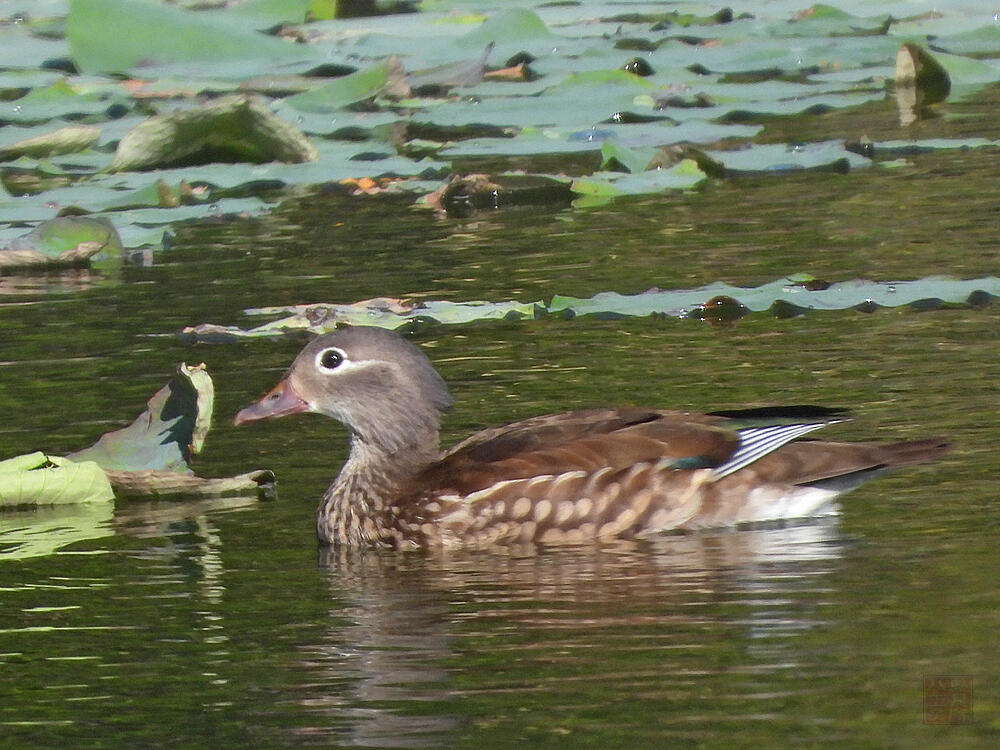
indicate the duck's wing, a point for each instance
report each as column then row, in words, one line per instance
column 603, row 440
column 751, row 446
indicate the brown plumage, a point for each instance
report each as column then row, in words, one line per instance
column 561, row 478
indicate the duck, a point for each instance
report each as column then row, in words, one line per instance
column 569, row 478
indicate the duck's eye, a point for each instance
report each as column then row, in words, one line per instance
column 330, row 359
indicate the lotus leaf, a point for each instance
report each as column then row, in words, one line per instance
column 792, row 295
column 240, row 127
column 167, row 434
column 38, row 479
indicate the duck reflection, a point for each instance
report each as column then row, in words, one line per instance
column 415, row 637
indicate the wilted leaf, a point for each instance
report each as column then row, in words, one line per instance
column 917, row 68
column 165, row 484
column 464, row 194
column 461, row 73
column 167, row 434
column 66, row 140
column 323, row 318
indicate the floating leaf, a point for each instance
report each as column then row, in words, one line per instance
column 267, row 13
column 37, row 479
column 146, row 33
column 600, row 187
column 356, row 87
column 512, row 25
column 621, row 158
column 709, row 78
column 55, row 237
column 378, row 312
column 62, row 242
column 68, row 140
column 61, row 99
column 784, row 297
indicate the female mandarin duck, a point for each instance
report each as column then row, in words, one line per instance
column 561, row 478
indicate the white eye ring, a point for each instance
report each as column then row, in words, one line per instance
column 330, row 359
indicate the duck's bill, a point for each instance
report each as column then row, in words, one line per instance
column 278, row 402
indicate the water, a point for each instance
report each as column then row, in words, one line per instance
column 218, row 624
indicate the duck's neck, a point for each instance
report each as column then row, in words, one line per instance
column 361, row 507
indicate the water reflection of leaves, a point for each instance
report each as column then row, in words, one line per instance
column 73, row 280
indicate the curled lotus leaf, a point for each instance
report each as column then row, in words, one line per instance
column 234, row 128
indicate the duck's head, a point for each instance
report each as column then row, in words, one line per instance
column 374, row 381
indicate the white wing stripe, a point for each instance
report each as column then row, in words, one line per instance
column 757, row 442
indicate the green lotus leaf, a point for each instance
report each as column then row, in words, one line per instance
column 61, row 99
column 268, row 13
column 37, row 479
column 356, row 87
column 242, row 128
column 797, row 293
column 148, row 33
column 603, row 185
column 516, row 25
column 58, row 238
column 67, row 140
